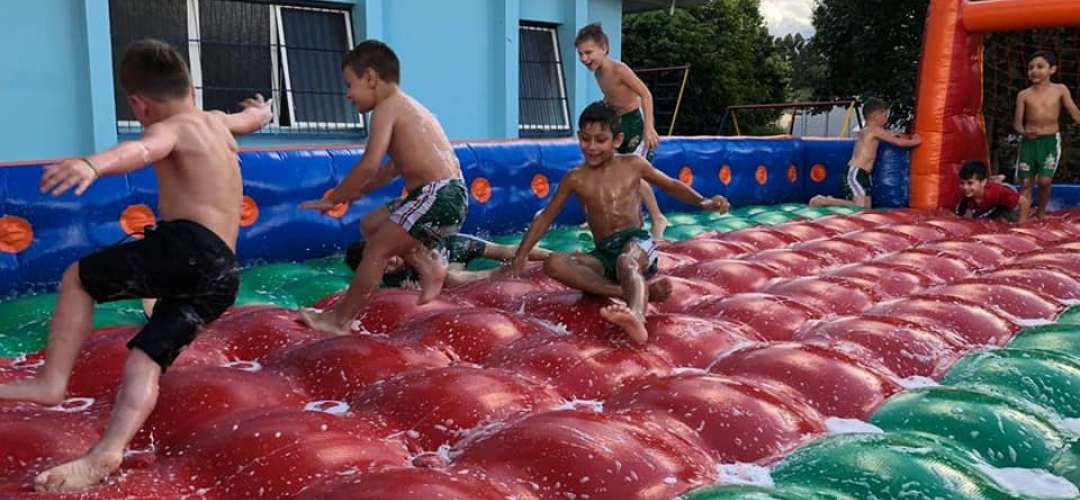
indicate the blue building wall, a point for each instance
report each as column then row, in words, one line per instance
column 460, row 58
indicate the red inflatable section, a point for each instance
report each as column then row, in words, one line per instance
column 518, row 387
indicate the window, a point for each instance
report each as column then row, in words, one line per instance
column 543, row 108
column 235, row 48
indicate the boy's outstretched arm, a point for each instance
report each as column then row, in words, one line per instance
column 362, row 179
column 157, row 141
column 631, row 80
column 680, row 191
column 541, row 223
column 899, row 140
column 1070, row 105
column 1018, row 116
column 256, row 115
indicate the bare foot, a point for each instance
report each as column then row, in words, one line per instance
column 817, row 201
column 78, row 474
column 431, row 283
column 631, row 323
column 34, row 390
column 321, row 321
column 659, row 290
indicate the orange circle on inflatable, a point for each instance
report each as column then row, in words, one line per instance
column 792, row 174
column 686, row 175
column 540, row 185
column 818, row 173
column 761, row 174
column 249, row 211
column 339, row 210
column 404, row 193
column 725, row 174
column 481, row 189
column 16, row 234
column 135, row 218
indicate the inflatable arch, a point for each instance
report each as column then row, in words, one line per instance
column 949, row 101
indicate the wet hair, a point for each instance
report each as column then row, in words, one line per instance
column 354, row 254
column 973, row 169
column 874, row 105
column 592, row 33
column 155, row 69
column 1050, row 57
column 600, row 112
column 375, row 55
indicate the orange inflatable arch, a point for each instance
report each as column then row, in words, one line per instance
column 948, row 112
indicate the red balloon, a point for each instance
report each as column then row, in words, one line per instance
column 391, row 307
column 34, row 439
column 905, row 347
column 833, row 382
column 891, row 280
column 735, row 276
column 759, row 238
column 960, row 228
column 805, row 230
column 843, row 223
column 974, row 322
column 737, row 420
column 333, row 368
column 470, row 334
column 772, row 316
column 252, row 333
column 690, row 341
column 1067, row 262
column 839, row 251
column 575, row 453
column 572, row 312
column 706, row 248
column 791, row 262
column 921, row 233
column 503, row 293
column 686, row 292
column 831, row 294
column 881, row 240
column 405, row 484
column 580, row 367
column 276, row 455
column 1053, row 283
column 665, row 261
column 943, row 267
column 441, row 406
column 1022, row 303
column 1011, row 242
column 983, row 257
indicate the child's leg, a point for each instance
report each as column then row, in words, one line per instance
column 1045, row 184
column 659, row 222
column 584, row 272
column 70, row 324
column 429, row 269
column 631, row 317
column 506, row 252
column 373, row 221
column 136, row 399
column 824, row 201
column 388, row 240
column 1025, row 192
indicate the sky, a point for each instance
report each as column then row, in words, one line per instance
column 788, row 16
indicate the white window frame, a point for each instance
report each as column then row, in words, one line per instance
column 562, row 82
column 279, row 60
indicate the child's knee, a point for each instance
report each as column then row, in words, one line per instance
column 555, row 265
column 1045, row 182
column 629, row 262
column 71, row 276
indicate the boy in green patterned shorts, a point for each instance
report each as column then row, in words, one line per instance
column 421, row 154
column 625, row 92
column 608, row 187
column 1037, row 110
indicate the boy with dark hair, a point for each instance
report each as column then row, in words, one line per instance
column 625, row 92
column 186, row 261
column 608, row 187
column 987, row 199
column 436, row 203
column 857, row 186
column 1037, row 110
column 459, row 250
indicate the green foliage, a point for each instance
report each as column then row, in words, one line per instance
column 732, row 57
column 807, row 64
column 871, row 48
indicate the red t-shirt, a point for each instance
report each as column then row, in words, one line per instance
column 997, row 200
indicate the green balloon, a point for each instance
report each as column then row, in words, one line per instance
column 675, row 219
column 1067, row 463
column 1004, row 432
column 772, row 218
column 729, row 224
column 788, row 207
column 1070, row 316
column 749, row 211
column 747, row 492
column 121, row 312
column 1044, row 378
column 684, row 231
column 307, row 291
column 890, row 465
column 1063, row 338
column 332, row 265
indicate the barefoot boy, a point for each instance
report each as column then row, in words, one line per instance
column 987, row 199
column 459, row 250
column 186, row 260
column 436, row 202
column 857, row 183
column 625, row 92
column 608, row 187
column 1037, row 111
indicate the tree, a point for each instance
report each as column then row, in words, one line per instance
column 807, row 64
column 871, row 48
column 732, row 58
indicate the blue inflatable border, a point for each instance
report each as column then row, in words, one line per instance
column 68, row 227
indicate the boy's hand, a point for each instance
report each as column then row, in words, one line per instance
column 75, row 173
column 516, row 267
column 322, row 205
column 1029, row 134
column 716, row 203
column 256, row 102
column 652, row 139
column 916, row 138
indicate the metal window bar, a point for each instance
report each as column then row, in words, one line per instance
column 543, row 107
column 236, row 48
